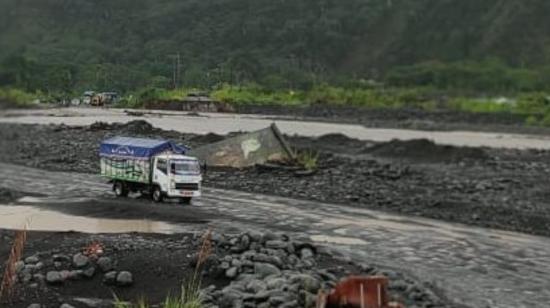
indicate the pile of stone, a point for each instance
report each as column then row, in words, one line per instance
column 41, row 270
column 271, row 270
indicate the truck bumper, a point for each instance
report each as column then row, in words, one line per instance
column 174, row 193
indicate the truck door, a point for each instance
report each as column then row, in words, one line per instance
column 160, row 174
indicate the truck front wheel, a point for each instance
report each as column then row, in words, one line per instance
column 120, row 189
column 157, row 194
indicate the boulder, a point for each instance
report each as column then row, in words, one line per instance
column 306, row 253
column 80, row 260
column 306, row 282
column 265, row 269
column 110, row 278
column 89, row 272
column 19, row 266
column 275, row 244
column 54, row 277
column 231, row 272
column 32, row 260
column 105, row 264
column 124, row 279
column 255, row 286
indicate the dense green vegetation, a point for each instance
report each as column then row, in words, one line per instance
column 490, row 46
column 426, row 54
column 10, row 97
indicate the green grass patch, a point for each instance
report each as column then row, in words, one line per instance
column 15, row 98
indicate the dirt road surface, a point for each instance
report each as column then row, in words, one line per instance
column 472, row 266
column 224, row 123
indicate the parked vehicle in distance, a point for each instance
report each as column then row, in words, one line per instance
column 150, row 166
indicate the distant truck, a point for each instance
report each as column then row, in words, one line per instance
column 156, row 167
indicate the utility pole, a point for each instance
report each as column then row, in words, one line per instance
column 178, row 78
column 176, row 69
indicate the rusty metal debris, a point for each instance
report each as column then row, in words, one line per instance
column 246, row 150
column 94, row 250
column 358, row 292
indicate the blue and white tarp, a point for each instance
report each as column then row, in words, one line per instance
column 137, row 148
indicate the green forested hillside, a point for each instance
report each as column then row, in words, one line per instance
column 66, row 45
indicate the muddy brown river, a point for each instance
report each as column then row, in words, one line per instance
column 220, row 123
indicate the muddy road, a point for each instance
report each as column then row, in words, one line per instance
column 472, row 266
column 225, row 123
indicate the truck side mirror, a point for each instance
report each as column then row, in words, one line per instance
column 204, row 168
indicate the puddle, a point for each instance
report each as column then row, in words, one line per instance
column 337, row 240
column 16, row 217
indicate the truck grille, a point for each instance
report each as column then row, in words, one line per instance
column 187, row 186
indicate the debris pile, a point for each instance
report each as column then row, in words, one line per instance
column 272, row 270
column 426, row 150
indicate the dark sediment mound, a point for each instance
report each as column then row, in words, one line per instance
column 337, row 139
column 208, row 138
column 426, row 150
column 132, row 128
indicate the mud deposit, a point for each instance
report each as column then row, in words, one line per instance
column 503, row 189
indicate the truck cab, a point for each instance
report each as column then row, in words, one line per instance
column 176, row 176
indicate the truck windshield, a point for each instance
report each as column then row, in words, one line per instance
column 181, row 167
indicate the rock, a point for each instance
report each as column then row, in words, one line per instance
column 245, row 241
column 80, row 260
column 66, row 306
column 275, row 283
column 54, row 277
column 269, row 236
column 276, row 244
column 39, row 278
column 306, row 282
column 124, row 279
column 57, row 265
column 29, row 268
column 236, row 263
column 89, row 272
column 110, row 278
column 255, row 236
column 306, row 253
column 263, row 258
column 105, row 264
column 255, row 286
column 75, row 275
column 32, row 260
column 19, row 266
column 61, row 258
column 230, row 297
column 276, row 301
column 27, row 277
column 94, row 302
column 231, row 272
column 308, row 299
column 34, row 306
column 326, row 275
column 39, row 266
column 265, row 269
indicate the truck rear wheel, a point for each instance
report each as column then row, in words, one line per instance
column 157, row 194
column 120, row 189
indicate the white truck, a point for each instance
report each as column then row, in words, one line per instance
column 150, row 166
